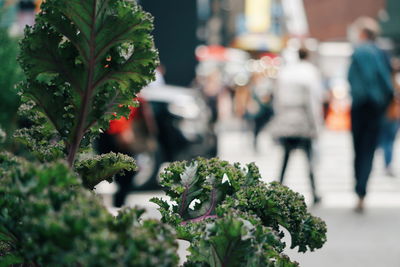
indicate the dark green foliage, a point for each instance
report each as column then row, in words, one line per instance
column 103, row 167
column 7, row 163
column 205, row 182
column 237, row 240
column 217, row 195
column 39, row 136
column 10, row 74
column 85, row 61
column 47, row 218
column 277, row 205
column 3, row 136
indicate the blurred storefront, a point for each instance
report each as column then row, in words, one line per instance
column 390, row 22
column 252, row 25
column 263, row 26
column 329, row 19
column 175, row 25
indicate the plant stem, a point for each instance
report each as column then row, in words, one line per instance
column 80, row 129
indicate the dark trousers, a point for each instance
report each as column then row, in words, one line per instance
column 291, row 143
column 387, row 139
column 366, row 122
column 106, row 144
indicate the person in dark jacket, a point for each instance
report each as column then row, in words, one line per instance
column 371, row 90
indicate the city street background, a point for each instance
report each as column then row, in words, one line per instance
column 368, row 240
column 225, row 57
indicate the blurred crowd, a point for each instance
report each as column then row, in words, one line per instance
column 288, row 94
column 15, row 14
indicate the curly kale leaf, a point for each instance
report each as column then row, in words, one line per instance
column 198, row 187
column 202, row 190
column 3, row 136
column 38, row 135
column 237, row 239
column 103, row 167
column 10, row 259
column 85, row 61
column 276, row 205
column 7, row 163
column 46, row 205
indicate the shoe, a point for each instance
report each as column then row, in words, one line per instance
column 389, row 172
column 360, row 206
column 317, row 200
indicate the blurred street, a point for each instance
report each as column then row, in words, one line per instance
column 368, row 239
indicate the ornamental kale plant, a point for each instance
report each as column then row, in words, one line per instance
column 232, row 218
column 84, row 61
column 47, row 218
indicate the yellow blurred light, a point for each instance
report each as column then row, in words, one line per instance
column 258, row 16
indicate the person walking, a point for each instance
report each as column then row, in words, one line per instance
column 298, row 112
column 388, row 134
column 391, row 122
column 259, row 110
column 371, row 90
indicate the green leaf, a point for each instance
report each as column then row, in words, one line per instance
column 10, row 75
column 199, row 186
column 103, row 167
column 206, row 191
column 278, row 206
column 83, row 59
column 10, row 259
column 236, row 240
column 39, row 136
column 56, row 222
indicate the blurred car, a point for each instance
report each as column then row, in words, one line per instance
column 172, row 123
column 183, row 119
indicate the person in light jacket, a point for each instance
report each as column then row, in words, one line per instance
column 298, row 112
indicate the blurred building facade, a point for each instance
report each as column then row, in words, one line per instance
column 175, row 25
column 391, row 23
column 328, row 20
column 246, row 24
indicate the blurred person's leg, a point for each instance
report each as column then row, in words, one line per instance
column 287, row 148
column 356, row 131
column 387, row 138
column 106, row 144
column 308, row 148
column 260, row 122
column 124, row 187
column 367, row 122
column 368, row 146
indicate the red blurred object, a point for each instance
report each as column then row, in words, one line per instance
column 120, row 125
column 338, row 118
column 212, row 52
column 269, row 54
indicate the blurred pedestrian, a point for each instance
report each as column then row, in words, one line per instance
column 388, row 134
column 390, row 123
column 132, row 136
column 26, row 14
column 8, row 12
column 371, row 90
column 298, row 112
column 259, row 109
